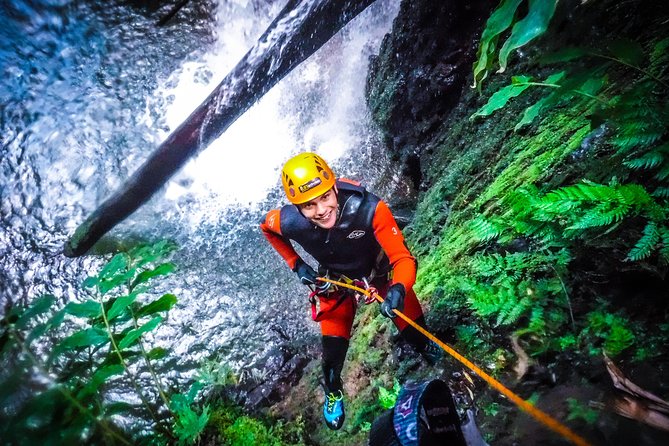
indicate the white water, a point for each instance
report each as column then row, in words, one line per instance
column 94, row 90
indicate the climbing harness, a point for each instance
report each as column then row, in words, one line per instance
column 530, row 409
column 322, row 293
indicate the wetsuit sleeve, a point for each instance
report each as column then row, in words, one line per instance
column 271, row 229
column 392, row 242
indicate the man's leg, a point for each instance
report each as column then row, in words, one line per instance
column 336, row 326
column 334, row 354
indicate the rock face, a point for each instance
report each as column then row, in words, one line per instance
column 282, row 368
column 420, row 71
column 470, row 170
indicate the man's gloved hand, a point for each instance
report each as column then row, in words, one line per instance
column 306, row 274
column 394, row 300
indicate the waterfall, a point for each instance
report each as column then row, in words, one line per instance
column 89, row 89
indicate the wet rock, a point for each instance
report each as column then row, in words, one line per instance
column 420, row 72
column 275, row 374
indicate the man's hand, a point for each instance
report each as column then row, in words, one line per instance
column 305, row 273
column 394, row 300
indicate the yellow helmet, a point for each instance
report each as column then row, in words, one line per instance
column 305, row 177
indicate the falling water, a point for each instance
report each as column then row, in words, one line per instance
column 89, row 91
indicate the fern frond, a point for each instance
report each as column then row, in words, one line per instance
column 647, row 161
column 619, row 338
column 634, row 124
column 661, row 192
column 602, row 215
column 633, row 195
column 664, row 248
column 483, row 230
column 639, row 139
column 554, row 204
column 529, row 228
column 487, row 265
column 582, row 192
column 646, row 244
column 513, row 311
column 659, row 57
column 663, row 173
column 537, row 322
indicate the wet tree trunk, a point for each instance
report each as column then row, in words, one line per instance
column 301, row 28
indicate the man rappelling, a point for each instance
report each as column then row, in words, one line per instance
column 353, row 236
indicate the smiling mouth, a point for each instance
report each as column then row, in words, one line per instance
column 325, row 217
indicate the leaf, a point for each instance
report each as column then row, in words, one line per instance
column 484, row 230
column 500, row 20
column 664, row 248
column 189, row 425
column 91, row 282
column 157, row 353
column 646, row 244
column 502, row 96
column 99, row 378
column 165, row 303
column 83, row 338
column 531, row 26
column 563, row 55
column 533, row 111
column 117, row 263
column 109, row 284
column 145, row 276
column 388, row 398
column 592, row 85
column 118, row 407
column 39, row 330
column 114, row 273
column 88, row 309
column 627, row 51
column 121, row 304
column 135, row 334
column 663, row 173
column 193, row 391
column 661, row 192
column 647, row 161
column 39, row 306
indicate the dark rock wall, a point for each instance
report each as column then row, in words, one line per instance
column 421, row 70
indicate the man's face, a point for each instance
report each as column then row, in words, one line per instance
column 322, row 210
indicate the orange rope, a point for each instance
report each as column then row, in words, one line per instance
column 538, row 414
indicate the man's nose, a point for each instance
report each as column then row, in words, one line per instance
column 320, row 208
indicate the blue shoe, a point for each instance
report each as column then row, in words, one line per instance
column 333, row 410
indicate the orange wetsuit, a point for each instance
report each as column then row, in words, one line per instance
column 364, row 243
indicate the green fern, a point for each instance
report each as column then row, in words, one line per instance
column 537, row 323
column 504, row 302
column 627, row 140
column 663, row 174
column 484, row 230
column 664, row 249
column 648, row 160
column 609, row 330
column 639, row 118
column 659, row 58
column 646, row 244
column 661, row 192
